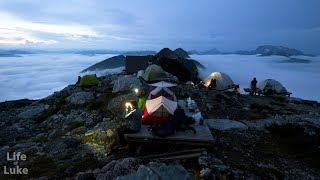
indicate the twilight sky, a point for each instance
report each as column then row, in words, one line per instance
column 130, row 25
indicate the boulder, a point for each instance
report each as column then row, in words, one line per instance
column 225, row 124
column 117, row 104
column 33, row 110
column 126, row 83
column 80, row 98
column 117, row 168
column 157, row 171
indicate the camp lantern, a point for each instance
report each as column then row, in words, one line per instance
column 136, row 90
column 128, row 107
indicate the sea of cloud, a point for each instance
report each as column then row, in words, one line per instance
column 302, row 79
column 39, row 75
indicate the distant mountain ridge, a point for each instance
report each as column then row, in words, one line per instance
column 126, row 53
column 264, row 50
column 13, row 53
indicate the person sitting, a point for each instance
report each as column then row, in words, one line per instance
column 213, row 84
column 141, row 101
column 236, row 90
column 254, row 86
column 179, row 122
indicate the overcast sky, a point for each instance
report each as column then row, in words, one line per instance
column 130, row 25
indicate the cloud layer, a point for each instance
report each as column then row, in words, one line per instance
column 227, row 25
column 39, row 75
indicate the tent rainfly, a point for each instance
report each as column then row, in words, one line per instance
column 162, row 91
column 224, row 82
column 163, row 84
column 154, row 104
column 158, row 110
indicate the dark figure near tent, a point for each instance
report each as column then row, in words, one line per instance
column 213, row 84
column 254, row 86
column 78, row 81
column 236, row 90
column 179, row 122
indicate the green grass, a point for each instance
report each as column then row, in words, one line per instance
column 88, row 80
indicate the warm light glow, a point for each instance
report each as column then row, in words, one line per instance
column 128, row 105
column 214, row 75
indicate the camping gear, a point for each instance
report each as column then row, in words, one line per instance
column 158, row 110
column 223, row 81
column 191, row 104
column 155, row 73
column 271, row 86
column 142, row 102
column 162, row 91
column 179, row 122
column 140, row 73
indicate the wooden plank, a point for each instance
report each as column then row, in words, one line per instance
column 176, row 153
column 203, row 136
column 178, row 157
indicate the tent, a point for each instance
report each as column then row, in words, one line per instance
column 273, row 85
column 224, row 82
column 162, row 91
column 155, row 73
column 163, row 84
column 158, row 110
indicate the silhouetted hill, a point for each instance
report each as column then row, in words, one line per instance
column 110, row 63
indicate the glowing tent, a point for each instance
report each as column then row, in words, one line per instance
column 224, row 82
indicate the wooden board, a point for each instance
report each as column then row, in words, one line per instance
column 202, row 137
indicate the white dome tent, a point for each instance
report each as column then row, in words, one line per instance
column 271, row 84
column 224, row 82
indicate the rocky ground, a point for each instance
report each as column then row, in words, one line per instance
column 73, row 134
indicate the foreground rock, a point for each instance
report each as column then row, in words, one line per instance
column 158, row 171
column 80, row 98
column 225, row 124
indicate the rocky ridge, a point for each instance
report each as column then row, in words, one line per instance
column 73, row 134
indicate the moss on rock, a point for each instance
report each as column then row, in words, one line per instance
column 88, row 80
